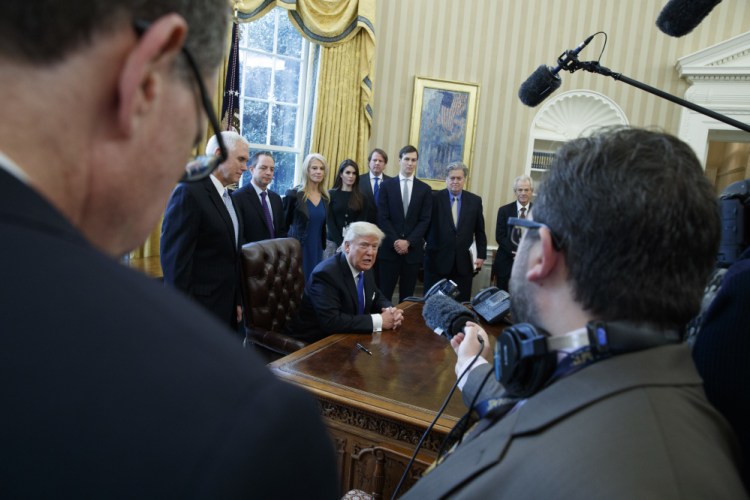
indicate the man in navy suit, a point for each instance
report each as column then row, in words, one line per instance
column 523, row 188
column 369, row 186
column 341, row 295
column 201, row 232
column 377, row 162
column 457, row 222
column 404, row 211
column 260, row 222
column 113, row 385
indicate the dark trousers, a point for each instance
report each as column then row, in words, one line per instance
column 401, row 272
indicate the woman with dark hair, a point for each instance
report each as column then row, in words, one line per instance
column 347, row 204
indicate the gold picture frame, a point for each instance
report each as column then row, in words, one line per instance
column 443, row 124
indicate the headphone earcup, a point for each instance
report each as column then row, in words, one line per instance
column 522, row 375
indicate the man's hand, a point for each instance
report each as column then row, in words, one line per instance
column 478, row 264
column 467, row 345
column 401, row 247
column 392, row 317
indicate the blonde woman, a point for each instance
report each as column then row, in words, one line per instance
column 305, row 209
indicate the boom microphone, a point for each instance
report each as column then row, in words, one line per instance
column 680, row 17
column 445, row 316
column 544, row 80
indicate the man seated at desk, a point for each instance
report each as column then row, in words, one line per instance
column 341, row 295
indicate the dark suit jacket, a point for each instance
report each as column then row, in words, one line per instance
column 116, row 385
column 503, row 262
column 392, row 222
column 366, row 188
column 448, row 244
column 254, row 227
column 198, row 253
column 340, row 215
column 297, row 218
column 721, row 349
column 637, row 425
column 329, row 303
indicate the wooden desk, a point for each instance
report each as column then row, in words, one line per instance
column 377, row 407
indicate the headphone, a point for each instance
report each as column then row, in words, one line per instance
column 526, row 356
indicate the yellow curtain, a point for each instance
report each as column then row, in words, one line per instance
column 346, row 31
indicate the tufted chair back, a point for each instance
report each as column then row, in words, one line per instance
column 272, row 287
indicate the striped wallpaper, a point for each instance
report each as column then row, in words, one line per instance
column 499, row 43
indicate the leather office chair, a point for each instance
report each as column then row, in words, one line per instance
column 272, row 283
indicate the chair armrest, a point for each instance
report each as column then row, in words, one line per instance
column 274, row 341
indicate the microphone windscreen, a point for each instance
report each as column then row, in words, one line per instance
column 445, row 316
column 680, row 17
column 538, row 86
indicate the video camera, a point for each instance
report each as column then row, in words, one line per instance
column 734, row 203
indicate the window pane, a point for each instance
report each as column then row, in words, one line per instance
column 257, row 76
column 290, row 41
column 283, row 177
column 283, row 125
column 287, row 81
column 254, row 121
column 260, row 34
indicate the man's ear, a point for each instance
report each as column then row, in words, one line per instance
column 543, row 257
column 147, row 62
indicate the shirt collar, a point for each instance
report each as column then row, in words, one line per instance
column 355, row 273
column 257, row 189
column 519, row 207
column 218, row 185
column 10, row 166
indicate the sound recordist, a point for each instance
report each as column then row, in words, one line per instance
column 594, row 395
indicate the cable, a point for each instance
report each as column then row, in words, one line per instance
column 437, row 416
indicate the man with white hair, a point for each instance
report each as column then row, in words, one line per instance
column 523, row 189
column 341, row 295
column 201, row 234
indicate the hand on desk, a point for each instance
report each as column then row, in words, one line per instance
column 466, row 344
column 392, row 317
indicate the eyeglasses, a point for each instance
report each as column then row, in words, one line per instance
column 519, row 227
column 202, row 166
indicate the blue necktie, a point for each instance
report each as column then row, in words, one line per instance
column 376, row 192
column 361, row 293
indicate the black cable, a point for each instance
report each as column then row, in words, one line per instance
column 463, row 424
column 437, row 416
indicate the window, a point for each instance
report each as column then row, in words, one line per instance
column 276, row 65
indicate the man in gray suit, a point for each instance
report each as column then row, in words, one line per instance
column 600, row 399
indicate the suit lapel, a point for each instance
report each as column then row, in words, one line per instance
column 349, row 282
column 470, row 459
column 447, row 209
column 218, row 203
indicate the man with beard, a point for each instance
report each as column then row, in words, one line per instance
column 599, row 398
column 341, row 295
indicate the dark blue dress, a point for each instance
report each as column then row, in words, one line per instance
column 312, row 249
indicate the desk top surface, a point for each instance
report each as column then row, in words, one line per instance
column 408, row 376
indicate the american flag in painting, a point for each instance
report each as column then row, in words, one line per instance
column 230, row 107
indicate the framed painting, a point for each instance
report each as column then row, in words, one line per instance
column 443, row 123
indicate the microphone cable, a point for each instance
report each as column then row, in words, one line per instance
column 457, row 433
column 437, row 416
